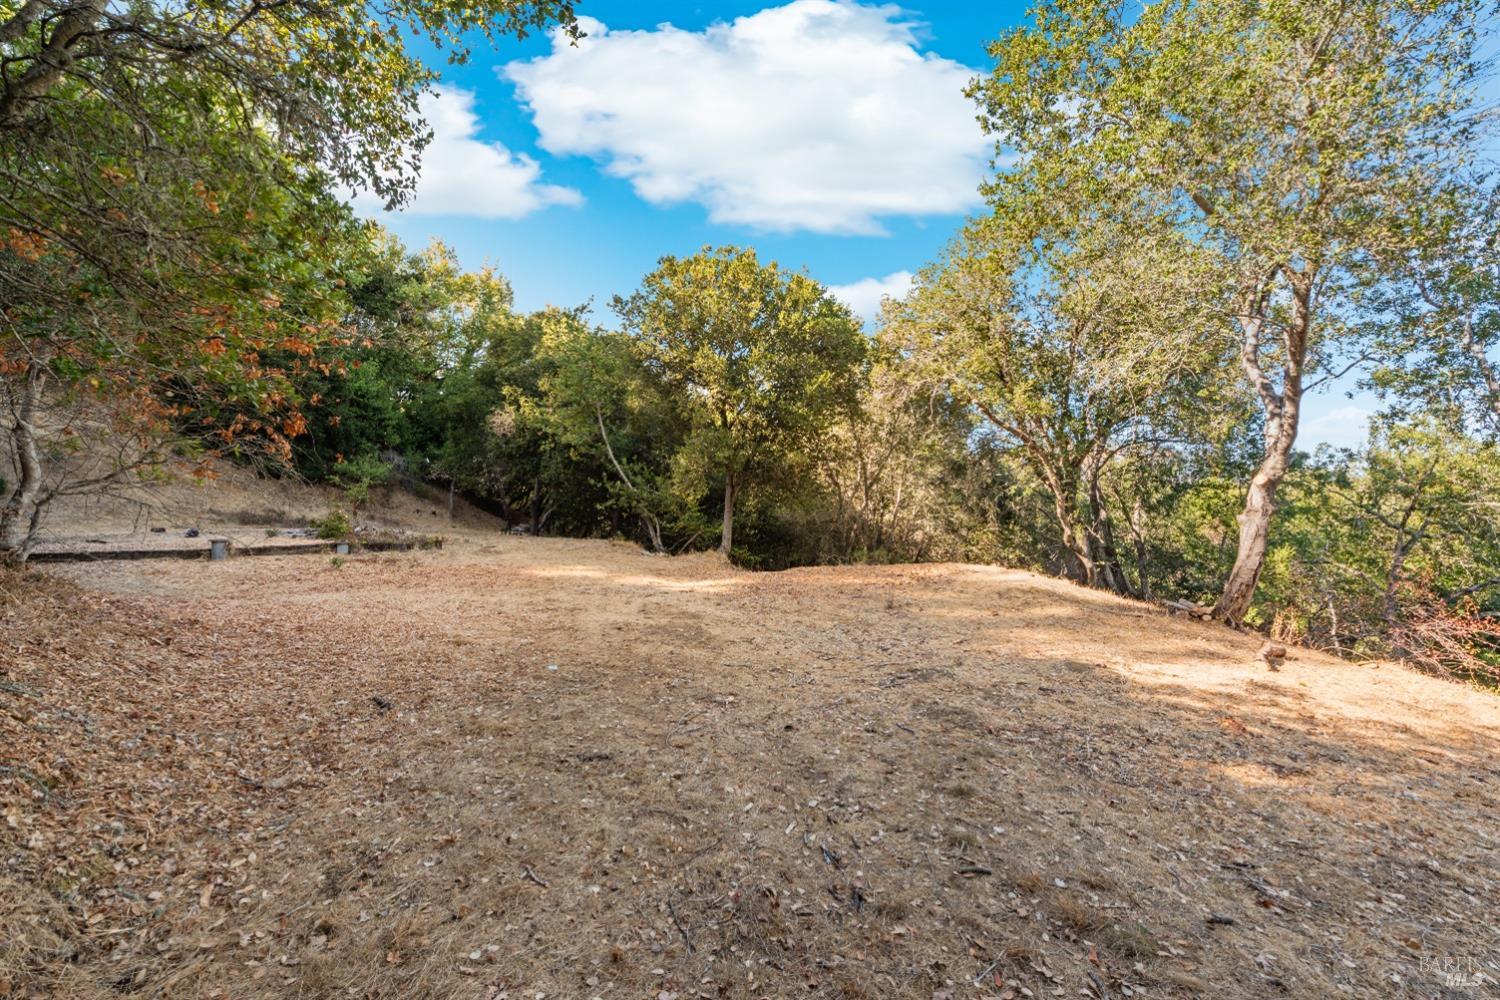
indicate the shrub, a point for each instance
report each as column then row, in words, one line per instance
column 358, row 475
column 334, row 525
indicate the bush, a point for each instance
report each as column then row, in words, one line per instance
column 334, row 525
column 356, row 477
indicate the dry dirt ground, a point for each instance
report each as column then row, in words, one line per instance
column 528, row 768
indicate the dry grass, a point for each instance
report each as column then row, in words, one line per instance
column 246, row 508
column 523, row 767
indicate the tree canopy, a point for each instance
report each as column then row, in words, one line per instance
column 170, row 220
column 1306, row 145
column 764, row 358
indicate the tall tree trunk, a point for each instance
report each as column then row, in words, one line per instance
column 1108, row 570
column 1481, row 359
column 726, row 539
column 20, row 515
column 653, row 526
column 1142, row 553
column 1390, row 600
column 1078, row 557
column 1281, row 408
column 1255, row 530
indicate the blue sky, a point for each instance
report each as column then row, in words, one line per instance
column 831, row 136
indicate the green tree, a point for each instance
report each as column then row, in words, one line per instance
column 1073, row 357
column 600, row 399
column 1393, row 550
column 366, row 392
column 167, row 226
column 763, row 359
column 1301, row 142
column 1441, row 328
column 489, row 363
column 112, row 342
column 338, row 78
column 903, row 476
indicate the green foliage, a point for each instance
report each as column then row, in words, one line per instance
column 762, row 360
column 170, row 243
column 155, row 318
column 1278, row 133
column 1073, row 358
column 1440, row 324
column 602, row 401
column 496, row 435
column 333, row 526
column 366, row 393
column 358, row 476
column 1378, row 540
column 1306, row 149
column 338, row 79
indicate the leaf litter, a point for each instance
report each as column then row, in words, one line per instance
column 269, row 778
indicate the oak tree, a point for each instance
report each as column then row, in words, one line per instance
column 166, row 216
column 1074, row 357
column 763, row 358
column 1303, row 142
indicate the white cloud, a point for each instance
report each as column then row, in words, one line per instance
column 462, row 174
column 821, row 115
column 865, row 295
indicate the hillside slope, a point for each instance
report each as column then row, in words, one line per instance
column 238, row 504
column 532, row 767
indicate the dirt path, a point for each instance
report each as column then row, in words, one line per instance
column 533, row 767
